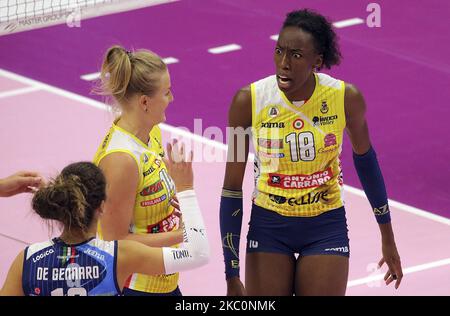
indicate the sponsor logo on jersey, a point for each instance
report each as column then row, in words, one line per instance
column 157, row 162
column 145, row 158
column 324, row 120
column 324, row 107
column 300, row 181
column 272, row 125
column 310, row 198
column 91, row 252
column 277, row 199
column 329, row 140
column 271, row 155
column 270, row 143
column 42, row 255
column 166, row 225
column 327, row 150
column 152, row 189
column 154, row 201
column 105, row 141
column 273, row 112
column 298, row 124
column 148, row 172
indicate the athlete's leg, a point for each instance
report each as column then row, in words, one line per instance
column 269, row 274
column 270, row 260
column 321, row 275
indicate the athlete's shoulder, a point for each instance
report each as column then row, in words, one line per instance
column 104, row 245
column 269, row 80
column 240, row 112
column 329, row 81
column 38, row 247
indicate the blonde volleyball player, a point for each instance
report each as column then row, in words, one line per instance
column 298, row 118
column 77, row 263
column 140, row 187
column 20, row 182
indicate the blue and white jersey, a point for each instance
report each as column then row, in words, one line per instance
column 54, row 268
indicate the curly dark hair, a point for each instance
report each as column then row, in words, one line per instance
column 325, row 39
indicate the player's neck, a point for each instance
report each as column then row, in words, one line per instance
column 304, row 92
column 132, row 126
column 76, row 236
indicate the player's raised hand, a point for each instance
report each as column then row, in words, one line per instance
column 179, row 166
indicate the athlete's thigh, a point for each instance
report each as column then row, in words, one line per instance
column 321, row 275
column 269, row 274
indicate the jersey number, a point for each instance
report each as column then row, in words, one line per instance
column 164, row 176
column 73, row 291
column 301, row 146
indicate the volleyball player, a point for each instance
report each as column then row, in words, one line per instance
column 298, row 117
column 132, row 158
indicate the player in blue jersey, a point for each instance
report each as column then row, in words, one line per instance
column 77, row 263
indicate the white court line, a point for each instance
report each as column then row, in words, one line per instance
column 96, row 75
column 413, row 269
column 224, row 49
column 201, row 139
column 91, row 77
column 348, row 22
column 337, row 24
column 15, row 92
column 274, row 37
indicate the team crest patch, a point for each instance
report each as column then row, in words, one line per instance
column 273, row 112
column 324, row 107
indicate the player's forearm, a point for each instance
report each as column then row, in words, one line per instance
column 387, row 233
column 166, row 239
column 195, row 250
column 231, row 206
column 371, row 178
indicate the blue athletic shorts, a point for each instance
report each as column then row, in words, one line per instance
column 325, row 234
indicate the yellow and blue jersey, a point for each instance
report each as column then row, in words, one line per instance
column 153, row 212
column 297, row 148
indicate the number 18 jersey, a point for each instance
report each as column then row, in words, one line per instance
column 297, row 147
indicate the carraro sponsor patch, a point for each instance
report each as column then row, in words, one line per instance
column 299, row 181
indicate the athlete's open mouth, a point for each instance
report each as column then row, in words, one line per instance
column 284, row 82
column 283, row 79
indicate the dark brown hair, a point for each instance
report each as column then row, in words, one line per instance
column 73, row 196
column 325, row 39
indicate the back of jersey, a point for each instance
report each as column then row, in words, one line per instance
column 54, row 268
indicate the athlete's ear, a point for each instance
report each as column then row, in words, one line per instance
column 318, row 63
column 101, row 208
column 144, row 102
